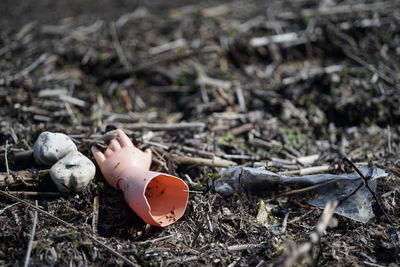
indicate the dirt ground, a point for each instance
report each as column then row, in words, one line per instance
column 260, row 84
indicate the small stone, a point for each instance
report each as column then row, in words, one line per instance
column 51, row 147
column 73, row 172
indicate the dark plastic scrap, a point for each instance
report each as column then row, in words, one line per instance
column 260, row 182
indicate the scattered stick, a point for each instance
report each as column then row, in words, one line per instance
column 339, row 9
column 70, row 113
column 307, row 171
column 371, row 68
column 204, row 162
column 95, row 218
column 216, row 11
column 8, row 207
column 13, row 135
column 33, row 66
column 365, row 182
column 286, row 39
column 167, row 46
column 307, row 160
column 6, row 159
column 309, row 188
column 72, row 100
column 156, row 239
column 350, row 54
column 243, row 247
column 160, row 60
column 126, row 99
column 265, row 144
column 164, row 127
column 245, row 157
column 241, row 98
column 309, row 73
column 205, row 80
column 198, row 151
column 30, row 243
column 296, row 112
column 18, row 178
column 89, row 235
column 242, row 129
column 388, row 137
column 315, row 236
column 9, row 47
column 158, row 145
column 98, row 140
column 118, row 48
column 395, row 171
column 36, row 194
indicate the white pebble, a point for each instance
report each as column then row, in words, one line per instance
column 73, row 172
column 51, row 147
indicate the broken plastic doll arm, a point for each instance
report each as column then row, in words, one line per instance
column 159, row 199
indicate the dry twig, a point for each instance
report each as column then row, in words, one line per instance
column 164, row 127
column 314, row 236
column 204, row 162
column 95, row 218
column 89, row 235
column 29, row 249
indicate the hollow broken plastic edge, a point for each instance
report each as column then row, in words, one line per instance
column 159, row 199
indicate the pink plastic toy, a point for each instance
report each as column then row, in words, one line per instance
column 159, row 199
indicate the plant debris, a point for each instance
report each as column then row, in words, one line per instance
column 206, row 86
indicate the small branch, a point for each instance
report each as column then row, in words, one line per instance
column 306, row 189
column 339, row 9
column 243, row 247
column 167, row 46
column 36, row 194
column 371, row 68
column 21, row 178
column 197, row 151
column 388, row 138
column 365, row 182
column 308, row 73
column 8, row 207
column 315, row 236
column 160, row 60
column 307, row 160
column 118, row 48
column 72, row 100
column 285, row 39
column 33, row 66
column 204, row 162
column 241, row 99
column 164, row 127
column 307, row 171
column 100, row 243
column 6, row 159
column 242, row 129
column 95, row 218
column 30, row 243
column 155, row 240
